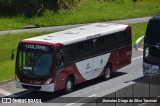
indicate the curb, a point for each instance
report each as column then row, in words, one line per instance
column 64, row 27
column 6, row 81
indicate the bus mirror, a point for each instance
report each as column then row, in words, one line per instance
column 137, row 42
column 136, row 47
column 12, row 57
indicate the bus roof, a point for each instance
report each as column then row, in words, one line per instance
column 80, row 33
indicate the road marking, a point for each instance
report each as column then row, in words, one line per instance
column 137, row 58
column 69, row 104
column 92, row 95
column 80, row 100
column 4, row 92
column 140, row 49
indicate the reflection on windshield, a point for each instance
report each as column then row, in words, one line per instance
column 152, row 54
column 34, row 64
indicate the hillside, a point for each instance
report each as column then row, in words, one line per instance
column 46, row 13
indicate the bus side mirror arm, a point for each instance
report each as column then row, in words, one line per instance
column 12, row 56
column 136, row 45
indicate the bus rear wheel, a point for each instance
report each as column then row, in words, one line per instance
column 107, row 73
column 69, row 85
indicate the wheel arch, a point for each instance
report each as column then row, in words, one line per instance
column 109, row 64
column 71, row 75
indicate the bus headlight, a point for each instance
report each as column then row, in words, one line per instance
column 48, row 81
column 16, row 78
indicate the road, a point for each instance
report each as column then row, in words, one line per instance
column 93, row 88
column 56, row 28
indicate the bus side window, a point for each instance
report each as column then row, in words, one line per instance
column 110, row 42
column 60, row 61
column 85, row 49
column 71, row 53
column 122, row 39
column 99, row 45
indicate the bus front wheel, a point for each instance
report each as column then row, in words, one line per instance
column 69, row 85
column 107, row 73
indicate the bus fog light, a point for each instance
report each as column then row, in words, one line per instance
column 48, row 81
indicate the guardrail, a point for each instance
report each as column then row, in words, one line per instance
column 136, row 45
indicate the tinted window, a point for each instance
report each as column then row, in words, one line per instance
column 34, row 63
column 122, row 39
column 110, row 42
column 153, row 32
column 99, row 45
column 72, row 53
column 85, row 49
column 60, row 58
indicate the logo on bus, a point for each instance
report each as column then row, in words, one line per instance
column 36, row 47
column 88, row 66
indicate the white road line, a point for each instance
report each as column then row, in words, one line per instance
column 4, row 92
column 69, row 104
column 137, row 58
column 80, row 100
column 92, row 95
column 140, row 49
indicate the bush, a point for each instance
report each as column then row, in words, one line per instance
column 32, row 7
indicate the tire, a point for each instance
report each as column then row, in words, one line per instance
column 69, row 85
column 107, row 73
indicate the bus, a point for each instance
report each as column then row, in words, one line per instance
column 63, row 59
column 151, row 53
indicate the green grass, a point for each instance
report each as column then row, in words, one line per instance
column 138, row 30
column 86, row 11
column 10, row 41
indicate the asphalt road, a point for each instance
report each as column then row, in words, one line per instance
column 93, row 88
column 56, row 28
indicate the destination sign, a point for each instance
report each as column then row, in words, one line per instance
column 35, row 47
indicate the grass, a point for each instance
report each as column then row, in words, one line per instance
column 86, row 11
column 10, row 41
column 138, row 30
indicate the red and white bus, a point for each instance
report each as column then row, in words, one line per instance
column 63, row 59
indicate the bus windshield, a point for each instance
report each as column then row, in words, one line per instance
column 34, row 63
column 152, row 54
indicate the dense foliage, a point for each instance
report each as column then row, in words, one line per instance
column 32, row 7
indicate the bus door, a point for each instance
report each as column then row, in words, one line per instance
column 59, row 74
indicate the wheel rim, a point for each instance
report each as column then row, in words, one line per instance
column 107, row 73
column 69, row 85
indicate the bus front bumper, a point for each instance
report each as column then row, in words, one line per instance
column 45, row 87
column 150, row 70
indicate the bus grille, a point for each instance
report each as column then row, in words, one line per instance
column 31, row 87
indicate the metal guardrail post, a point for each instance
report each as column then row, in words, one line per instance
column 136, row 45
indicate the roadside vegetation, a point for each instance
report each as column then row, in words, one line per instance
column 10, row 41
column 81, row 11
